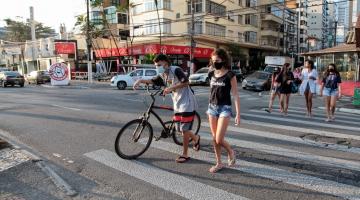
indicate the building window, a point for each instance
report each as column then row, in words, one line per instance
column 122, row 18
column 198, row 27
column 251, row 19
column 301, row 40
column 162, row 4
column 301, row 31
column 241, row 37
column 215, row 8
column 151, row 26
column 197, row 6
column 250, row 37
column 137, row 9
column 215, row 29
column 250, row 3
column 240, row 19
column 96, row 17
column 274, row 10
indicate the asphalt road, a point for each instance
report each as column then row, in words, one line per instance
column 74, row 129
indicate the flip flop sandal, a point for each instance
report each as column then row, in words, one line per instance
column 216, row 168
column 182, row 159
column 231, row 162
column 197, row 145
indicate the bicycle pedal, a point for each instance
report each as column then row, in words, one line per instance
column 157, row 138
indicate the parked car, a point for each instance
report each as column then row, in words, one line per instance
column 11, row 78
column 238, row 73
column 271, row 68
column 200, row 77
column 127, row 80
column 259, row 81
column 41, row 76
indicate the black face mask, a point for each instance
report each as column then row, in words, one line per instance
column 218, row 65
column 331, row 70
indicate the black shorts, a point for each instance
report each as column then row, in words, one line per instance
column 184, row 121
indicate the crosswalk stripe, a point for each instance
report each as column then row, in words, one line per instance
column 288, row 138
column 338, row 115
column 296, row 121
column 296, row 115
column 317, row 110
column 177, row 184
column 302, row 130
column 346, row 164
column 251, row 99
column 276, row 174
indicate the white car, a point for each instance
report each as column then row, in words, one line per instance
column 200, row 77
column 127, row 80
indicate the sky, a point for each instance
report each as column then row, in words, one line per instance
column 49, row 12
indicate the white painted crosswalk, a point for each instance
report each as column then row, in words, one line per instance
column 276, row 140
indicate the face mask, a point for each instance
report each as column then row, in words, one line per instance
column 331, row 70
column 160, row 69
column 218, row 65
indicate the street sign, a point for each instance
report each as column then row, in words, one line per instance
column 59, row 74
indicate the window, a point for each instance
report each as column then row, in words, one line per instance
column 215, row 8
column 150, row 73
column 274, row 10
column 137, row 9
column 122, row 18
column 197, row 6
column 110, row 14
column 240, row 19
column 241, row 37
column 198, row 27
column 301, row 40
column 250, row 37
column 152, row 26
column 250, row 3
column 251, row 19
column 137, row 73
column 301, row 31
column 162, row 4
column 215, row 29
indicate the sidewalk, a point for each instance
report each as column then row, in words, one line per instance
column 345, row 105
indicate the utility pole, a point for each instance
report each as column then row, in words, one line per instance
column 88, row 41
column 192, row 42
column 157, row 10
column 33, row 36
column 335, row 43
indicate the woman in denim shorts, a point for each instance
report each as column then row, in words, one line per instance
column 223, row 83
column 331, row 89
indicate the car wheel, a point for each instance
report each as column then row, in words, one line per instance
column 22, row 85
column 121, row 85
column 3, row 84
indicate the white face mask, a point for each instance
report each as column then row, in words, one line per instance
column 160, row 69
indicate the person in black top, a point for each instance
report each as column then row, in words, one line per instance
column 331, row 89
column 223, row 83
column 285, row 79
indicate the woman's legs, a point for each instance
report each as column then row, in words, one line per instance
column 327, row 107
column 286, row 104
column 310, row 103
column 332, row 106
column 306, row 94
column 282, row 103
column 213, row 121
column 271, row 101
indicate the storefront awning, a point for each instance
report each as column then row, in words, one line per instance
column 337, row 49
column 154, row 49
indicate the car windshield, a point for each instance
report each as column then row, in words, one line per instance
column 259, row 75
column 11, row 73
column 202, row 71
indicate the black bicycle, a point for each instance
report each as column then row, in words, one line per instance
column 135, row 137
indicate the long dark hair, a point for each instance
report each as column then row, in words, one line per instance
column 327, row 72
column 310, row 63
column 284, row 71
column 221, row 53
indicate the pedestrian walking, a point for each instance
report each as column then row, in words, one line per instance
column 331, row 90
column 285, row 78
column 223, row 83
column 274, row 92
column 309, row 77
column 184, row 102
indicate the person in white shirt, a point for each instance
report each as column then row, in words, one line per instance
column 309, row 77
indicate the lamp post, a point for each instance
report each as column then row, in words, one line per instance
column 88, row 41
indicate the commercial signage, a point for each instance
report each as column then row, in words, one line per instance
column 154, row 49
column 59, row 74
column 65, row 48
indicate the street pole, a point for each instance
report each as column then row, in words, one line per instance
column 157, row 10
column 192, row 42
column 33, row 36
column 335, row 43
column 88, row 41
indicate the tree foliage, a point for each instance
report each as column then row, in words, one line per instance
column 18, row 31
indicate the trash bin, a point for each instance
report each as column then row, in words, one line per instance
column 356, row 99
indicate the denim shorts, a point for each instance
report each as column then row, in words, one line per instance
column 330, row 92
column 219, row 110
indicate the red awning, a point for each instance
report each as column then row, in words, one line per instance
column 154, row 49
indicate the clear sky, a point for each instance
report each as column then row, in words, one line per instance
column 49, row 12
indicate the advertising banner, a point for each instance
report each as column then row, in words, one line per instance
column 59, row 74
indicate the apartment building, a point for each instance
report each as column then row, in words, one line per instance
column 249, row 29
column 318, row 24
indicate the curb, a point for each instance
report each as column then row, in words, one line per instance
column 41, row 163
column 345, row 110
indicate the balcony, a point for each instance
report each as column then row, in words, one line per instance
column 271, row 17
column 272, row 33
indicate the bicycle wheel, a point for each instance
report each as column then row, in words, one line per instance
column 133, row 139
column 177, row 136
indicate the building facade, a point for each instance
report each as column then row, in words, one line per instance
column 318, row 24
